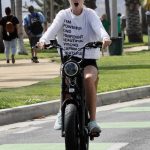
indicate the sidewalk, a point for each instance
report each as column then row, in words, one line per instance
column 24, row 73
column 137, row 48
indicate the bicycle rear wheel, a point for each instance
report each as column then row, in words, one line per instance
column 72, row 140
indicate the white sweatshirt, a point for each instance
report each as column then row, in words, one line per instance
column 73, row 32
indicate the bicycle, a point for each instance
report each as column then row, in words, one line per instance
column 73, row 105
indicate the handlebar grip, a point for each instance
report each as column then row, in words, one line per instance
column 99, row 44
column 94, row 44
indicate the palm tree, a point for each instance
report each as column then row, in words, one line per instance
column 0, row 9
column 12, row 3
column 50, row 7
column 90, row 3
column 144, row 22
column 53, row 6
column 18, row 8
column 134, row 29
column 146, row 4
column 1, row 39
column 107, row 8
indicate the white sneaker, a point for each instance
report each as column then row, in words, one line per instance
column 58, row 122
column 93, row 127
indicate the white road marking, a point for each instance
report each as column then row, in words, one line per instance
column 117, row 146
column 27, row 130
column 27, row 123
column 123, row 104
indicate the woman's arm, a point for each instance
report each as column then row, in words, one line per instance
column 54, row 28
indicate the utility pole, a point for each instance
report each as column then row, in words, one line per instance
column 116, row 48
column 114, row 25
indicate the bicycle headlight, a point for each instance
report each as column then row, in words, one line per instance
column 71, row 68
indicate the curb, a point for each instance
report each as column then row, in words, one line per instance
column 24, row 113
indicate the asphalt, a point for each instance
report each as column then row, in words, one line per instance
column 24, row 73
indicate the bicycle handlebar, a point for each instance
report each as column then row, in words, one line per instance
column 54, row 44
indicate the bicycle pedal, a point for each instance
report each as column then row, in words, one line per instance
column 91, row 138
column 63, row 134
column 94, row 134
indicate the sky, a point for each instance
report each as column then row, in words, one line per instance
column 100, row 6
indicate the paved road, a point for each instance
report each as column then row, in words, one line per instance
column 125, row 126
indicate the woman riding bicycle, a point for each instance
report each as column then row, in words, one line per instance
column 73, row 28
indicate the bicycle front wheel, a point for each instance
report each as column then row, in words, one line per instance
column 71, row 128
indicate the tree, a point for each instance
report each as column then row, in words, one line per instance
column 0, row 9
column 12, row 3
column 134, row 29
column 145, row 7
column 53, row 6
column 144, row 22
column 1, row 39
column 146, row 4
column 18, row 8
column 50, row 7
column 90, row 3
column 107, row 8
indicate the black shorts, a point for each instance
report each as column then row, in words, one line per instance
column 85, row 62
column 33, row 41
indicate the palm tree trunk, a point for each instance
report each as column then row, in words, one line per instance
column 90, row 3
column 0, row 9
column 12, row 3
column 1, row 37
column 144, row 22
column 107, row 8
column 134, row 28
column 21, row 48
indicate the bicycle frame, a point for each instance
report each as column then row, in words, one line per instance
column 72, row 92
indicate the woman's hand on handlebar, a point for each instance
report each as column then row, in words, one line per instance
column 106, row 42
column 40, row 45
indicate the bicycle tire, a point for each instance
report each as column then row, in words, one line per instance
column 71, row 128
column 84, row 140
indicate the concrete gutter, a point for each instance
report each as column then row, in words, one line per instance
column 23, row 113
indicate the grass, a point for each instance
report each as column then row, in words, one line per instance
column 36, row 93
column 116, row 72
column 128, row 45
column 41, row 53
column 129, row 70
